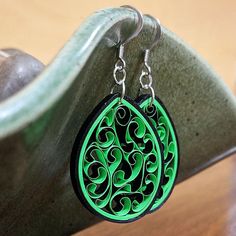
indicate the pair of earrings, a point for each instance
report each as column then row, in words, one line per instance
column 125, row 158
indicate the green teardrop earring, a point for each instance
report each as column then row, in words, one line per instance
column 161, row 120
column 117, row 159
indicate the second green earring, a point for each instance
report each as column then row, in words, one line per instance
column 165, row 128
column 161, row 120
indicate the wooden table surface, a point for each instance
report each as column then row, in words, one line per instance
column 202, row 205
column 206, row 203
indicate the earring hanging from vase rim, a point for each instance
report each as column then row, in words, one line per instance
column 161, row 120
column 117, row 159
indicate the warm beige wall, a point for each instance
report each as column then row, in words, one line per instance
column 42, row 27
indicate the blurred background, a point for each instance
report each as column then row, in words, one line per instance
column 204, row 204
column 208, row 26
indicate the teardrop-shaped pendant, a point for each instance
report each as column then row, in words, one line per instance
column 117, row 161
column 162, row 122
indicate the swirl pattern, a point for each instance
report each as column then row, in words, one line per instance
column 119, row 164
column 165, row 128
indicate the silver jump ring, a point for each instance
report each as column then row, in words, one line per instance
column 152, row 96
column 122, row 94
column 143, row 84
column 152, row 93
column 121, row 71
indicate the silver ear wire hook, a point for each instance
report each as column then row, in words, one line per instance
column 120, row 66
column 158, row 31
column 146, row 71
column 138, row 27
